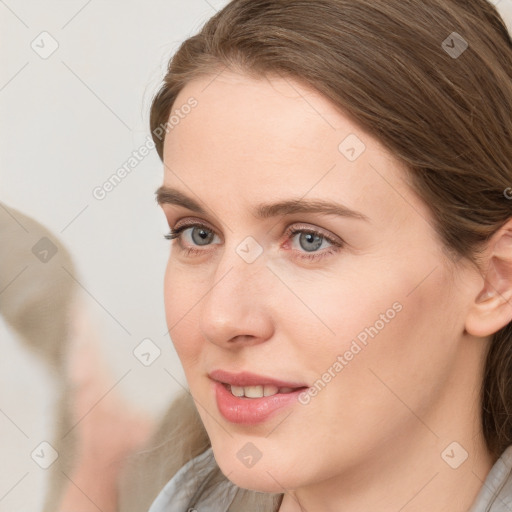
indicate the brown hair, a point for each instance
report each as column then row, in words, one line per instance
column 387, row 65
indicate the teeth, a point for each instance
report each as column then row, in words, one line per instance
column 253, row 391
column 270, row 390
column 257, row 391
column 237, row 391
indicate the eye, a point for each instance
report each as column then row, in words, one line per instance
column 309, row 241
column 200, row 235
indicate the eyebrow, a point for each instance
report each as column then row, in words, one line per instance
column 167, row 195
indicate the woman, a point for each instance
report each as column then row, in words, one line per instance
column 340, row 277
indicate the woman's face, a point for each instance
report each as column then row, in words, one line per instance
column 365, row 314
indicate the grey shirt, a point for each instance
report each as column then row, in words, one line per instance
column 178, row 495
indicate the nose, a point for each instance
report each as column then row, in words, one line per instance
column 237, row 309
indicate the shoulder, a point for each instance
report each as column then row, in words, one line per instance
column 496, row 492
column 196, row 486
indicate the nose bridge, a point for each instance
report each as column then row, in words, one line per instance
column 241, row 266
column 237, row 303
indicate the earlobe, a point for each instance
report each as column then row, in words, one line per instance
column 492, row 307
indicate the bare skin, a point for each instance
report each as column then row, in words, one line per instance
column 375, row 437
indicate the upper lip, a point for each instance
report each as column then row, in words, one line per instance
column 251, row 379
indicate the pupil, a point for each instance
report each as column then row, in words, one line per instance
column 310, row 237
column 203, row 233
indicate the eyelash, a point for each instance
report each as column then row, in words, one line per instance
column 290, row 232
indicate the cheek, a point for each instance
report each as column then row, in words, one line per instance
column 399, row 347
column 179, row 300
column 334, row 312
column 377, row 320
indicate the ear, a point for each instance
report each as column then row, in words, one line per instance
column 492, row 307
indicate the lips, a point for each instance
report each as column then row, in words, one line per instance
column 245, row 379
column 229, row 391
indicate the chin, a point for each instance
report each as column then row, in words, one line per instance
column 261, row 476
column 259, row 481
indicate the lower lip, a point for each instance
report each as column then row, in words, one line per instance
column 251, row 411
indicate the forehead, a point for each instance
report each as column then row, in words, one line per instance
column 267, row 117
column 271, row 137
